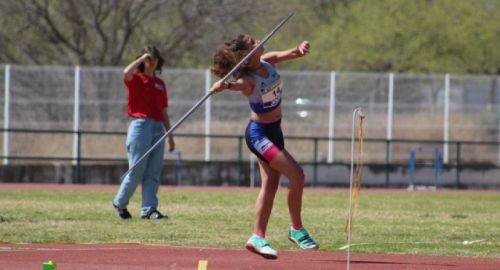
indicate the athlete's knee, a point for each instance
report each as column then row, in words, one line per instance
column 298, row 177
column 274, row 185
column 270, row 184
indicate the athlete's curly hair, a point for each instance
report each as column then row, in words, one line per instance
column 230, row 54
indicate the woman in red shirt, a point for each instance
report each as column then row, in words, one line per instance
column 147, row 106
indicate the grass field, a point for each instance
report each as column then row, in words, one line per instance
column 425, row 223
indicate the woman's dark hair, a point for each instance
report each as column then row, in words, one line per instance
column 230, row 54
column 156, row 53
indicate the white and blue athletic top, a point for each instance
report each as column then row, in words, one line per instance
column 266, row 95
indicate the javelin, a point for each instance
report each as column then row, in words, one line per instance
column 228, row 75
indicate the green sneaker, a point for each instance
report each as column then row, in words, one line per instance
column 302, row 239
column 260, row 246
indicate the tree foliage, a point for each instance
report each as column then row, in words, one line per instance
column 111, row 32
column 456, row 36
column 452, row 36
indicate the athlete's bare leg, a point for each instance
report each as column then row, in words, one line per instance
column 264, row 204
column 284, row 163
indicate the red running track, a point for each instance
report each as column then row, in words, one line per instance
column 147, row 257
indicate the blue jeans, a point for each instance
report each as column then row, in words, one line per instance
column 141, row 135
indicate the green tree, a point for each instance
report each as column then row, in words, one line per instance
column 457, row 36
column 95, row 32
column 422, row 36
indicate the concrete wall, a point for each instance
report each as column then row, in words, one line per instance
column 234, row 174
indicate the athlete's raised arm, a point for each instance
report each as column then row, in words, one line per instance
column 280, row 56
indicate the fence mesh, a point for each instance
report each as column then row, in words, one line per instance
column 43, row 98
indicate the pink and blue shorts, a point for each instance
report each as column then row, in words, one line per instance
column 265, row 140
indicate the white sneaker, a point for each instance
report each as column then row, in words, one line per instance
column 260, row 246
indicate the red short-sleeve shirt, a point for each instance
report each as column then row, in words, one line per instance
column 147, row 97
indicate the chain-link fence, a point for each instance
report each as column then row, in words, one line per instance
column 319, row 104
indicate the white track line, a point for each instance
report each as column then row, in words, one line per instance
column 407, row 243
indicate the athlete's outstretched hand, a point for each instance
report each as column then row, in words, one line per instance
column 303, row 48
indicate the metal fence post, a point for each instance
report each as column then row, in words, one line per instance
column 6, row 116
column 390, row 110
column 446, row 117
column 208, row 115
column 76, row 116
column 76, row 175
column 315, row 162
column 76, row 127
column 240, row 158
column 458, row 164
column 331, row 118
column 497, row 86
column 387, row 162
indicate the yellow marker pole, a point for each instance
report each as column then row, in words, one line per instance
column 50, row 265
column 202, row 265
